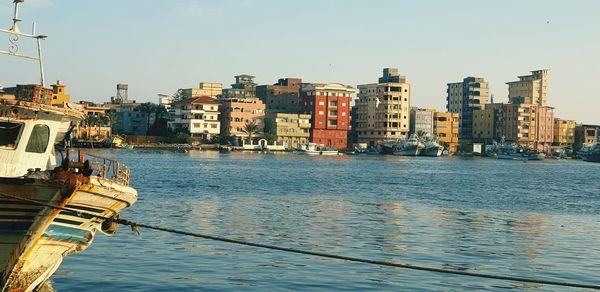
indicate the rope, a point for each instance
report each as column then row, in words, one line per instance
column 135, row 226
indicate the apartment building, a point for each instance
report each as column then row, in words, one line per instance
column 446, row 128
column 465, row 97
column 329, row 107
column 383, row 109
column 199, row 116
column 293, row 130
column 281, row 97
column 530, row 89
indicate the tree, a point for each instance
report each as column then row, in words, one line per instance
column 101, row 120
column 148, row 108
column 89, row 122
column 178, row 95
column 222, row 139
column 112, row 118
column 250, row 128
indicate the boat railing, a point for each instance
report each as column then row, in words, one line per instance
column 107, row 168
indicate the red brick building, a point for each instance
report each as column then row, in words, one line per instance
column 329, row 106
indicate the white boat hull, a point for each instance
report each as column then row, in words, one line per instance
column 433, row 152
column 408, row 152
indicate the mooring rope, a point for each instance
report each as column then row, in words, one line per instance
column 135, row 226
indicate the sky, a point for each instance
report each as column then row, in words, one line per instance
column 159, row 46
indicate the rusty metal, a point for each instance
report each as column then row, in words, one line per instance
column 107, row 168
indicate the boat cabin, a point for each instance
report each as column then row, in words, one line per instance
column 28, row 133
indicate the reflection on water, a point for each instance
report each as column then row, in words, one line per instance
column 409, row 210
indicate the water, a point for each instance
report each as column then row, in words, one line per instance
column 536, row 219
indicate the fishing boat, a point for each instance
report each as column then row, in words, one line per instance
column 411, row 147
column 35, row 235
column 592, row 154
column 432, row 148
column 315, row 149
column 513, row 152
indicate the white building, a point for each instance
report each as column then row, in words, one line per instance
column 165, row 100
column 199, row 116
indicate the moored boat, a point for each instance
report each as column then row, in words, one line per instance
column 432, row 148
column 315, row 149
column 35, row 235
column 411, row 147
column 519, row 153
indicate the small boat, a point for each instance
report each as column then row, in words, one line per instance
column 225, row 149
column 519, row 153
column 592, row 154
column 411, row 147
column 315, row 149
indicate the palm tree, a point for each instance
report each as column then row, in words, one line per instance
column 101, row 120
column 148, row 108
column 250, row 128
column 89, row 122
column 178, row 95
column 112, row 118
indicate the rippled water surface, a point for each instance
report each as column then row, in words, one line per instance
column 536, row 219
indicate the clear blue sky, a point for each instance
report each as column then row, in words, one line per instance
column 160, row 46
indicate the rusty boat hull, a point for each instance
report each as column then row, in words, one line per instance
column 34, row 239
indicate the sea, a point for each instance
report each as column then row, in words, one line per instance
column 539, row 219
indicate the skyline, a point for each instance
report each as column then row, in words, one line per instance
column 169, row 45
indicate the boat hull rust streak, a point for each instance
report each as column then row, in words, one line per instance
column 32, row 253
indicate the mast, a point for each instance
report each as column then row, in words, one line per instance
column 13, row 38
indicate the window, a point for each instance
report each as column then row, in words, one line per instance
column 321, row 102
column 39, row 139
column 9, row 134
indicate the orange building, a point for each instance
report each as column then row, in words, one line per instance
column 445, row 127
column 237, row 112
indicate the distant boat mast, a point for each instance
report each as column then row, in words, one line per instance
column 14, row 34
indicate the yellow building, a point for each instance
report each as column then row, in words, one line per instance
column 445, row 127
column 204, row 89
column 564, row 132
column 59, row 95
column 291, row 129
column 530, row 89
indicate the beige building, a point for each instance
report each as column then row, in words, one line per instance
column 293, row 130
column 446, row 128
column 526, row 124
column 484, row 123
column 204, row 89
column 530, row 89
column 564, row 132
column 383, row 109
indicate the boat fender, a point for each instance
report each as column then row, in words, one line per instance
column 110, row 227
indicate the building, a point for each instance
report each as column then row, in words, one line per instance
column 244, row 86
column 198, row 116
column 465, row 97
column 530, row 89
column 204, row 89
column 130, row 119
column 446, row 129
column 564, row 132
column 59, row 95
column 6, row 95
column 526, row 124
column 484, row 124
column 383, row 109
column 421, row 120
column 165, row 101
column 281, row 97
column 586, row 135
column 95, row 125
column 237, row 112
column 329, row 107
column 293, row 130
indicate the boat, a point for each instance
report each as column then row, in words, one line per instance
column 432, row 148
column 411, row 147
column 315, row 149
column 593, row 153
column 35, row 236
column 513, row 152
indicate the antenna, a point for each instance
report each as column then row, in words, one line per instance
column 14, row 33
